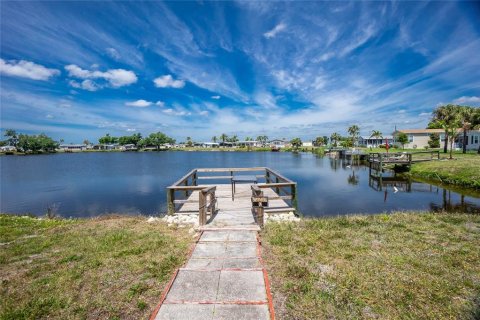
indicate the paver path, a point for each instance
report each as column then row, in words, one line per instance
column 224, row 279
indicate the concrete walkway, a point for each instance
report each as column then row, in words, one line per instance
column 224, row 279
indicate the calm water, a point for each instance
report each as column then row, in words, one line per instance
column 90, row 184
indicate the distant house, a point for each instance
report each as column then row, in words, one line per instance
column 418, row 138
column 8, row 149
column 129, row 147
column 249, row 143
column 279, row 143
column 373, row 142
column 307, row 144
column 226, row 144
column 210, row 145
column 106, row 146
column 73, row 147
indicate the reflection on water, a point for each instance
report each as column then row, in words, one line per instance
column 89, row 184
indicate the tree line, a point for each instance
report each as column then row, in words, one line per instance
column 156, row 139
column 30, row 143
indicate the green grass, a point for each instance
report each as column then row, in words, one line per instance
column 398, row 266
column 463, row 170
column 110, row 268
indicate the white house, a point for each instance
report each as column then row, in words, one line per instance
column 211, row 145
column 8, row 149
column 128, row 147
column 279, row 143
column 72, row 147
column 307, row 144
column 250, row 143
column 373, row 142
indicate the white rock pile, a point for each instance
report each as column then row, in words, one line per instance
column 281, row 217
column 183, row 220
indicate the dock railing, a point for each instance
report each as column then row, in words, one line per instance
column 285, row 188
column 403, row 157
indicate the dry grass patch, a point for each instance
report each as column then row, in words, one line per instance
column 110, row 268
column 399, row 266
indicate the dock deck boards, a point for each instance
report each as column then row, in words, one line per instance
column 236, row 213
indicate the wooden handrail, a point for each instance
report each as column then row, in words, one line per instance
column 230, row 169
column 278, row 175
column 185, row 177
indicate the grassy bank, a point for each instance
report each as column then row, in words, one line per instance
column 111, row 268
column 464, row 170
column 399, row 266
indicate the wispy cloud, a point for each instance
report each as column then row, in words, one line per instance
column 139, row 103
column 277, row 29
column 26, row 69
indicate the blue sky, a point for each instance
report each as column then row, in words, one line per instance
column 77, row 70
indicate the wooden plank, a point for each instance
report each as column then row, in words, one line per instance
column 271, row 185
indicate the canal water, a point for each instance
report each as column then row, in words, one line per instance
column 92, row 184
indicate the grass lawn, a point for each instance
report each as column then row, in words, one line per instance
column 398, row 266
column 110, row 268
column 463, row 170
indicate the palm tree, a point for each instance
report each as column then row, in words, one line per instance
column 262, row 139
column 354, row 130
column 443, row 116
column 189, row 141
column 334, row 138
column 214, row 139
column 224, row 137
column 467, row 115
column 376, row 134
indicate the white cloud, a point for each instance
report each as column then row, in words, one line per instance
column 272, row 33
column 85, row 85
column 116, row 78
column 466, row 99
column 167, row 81
column 26, row 69
column 131, row 129
column 49, row 116
column 160, row 103
column 216, row 97
column 139, row 103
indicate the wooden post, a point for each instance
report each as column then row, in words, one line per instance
column 260, row 216
column 170, row 201
column 186, row 184
column 202, row 212
column 277, row 189
column 293, row 189
column 267, row 176
column 194, row 182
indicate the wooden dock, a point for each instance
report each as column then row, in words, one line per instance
column 216, row 203
column 225, row 277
